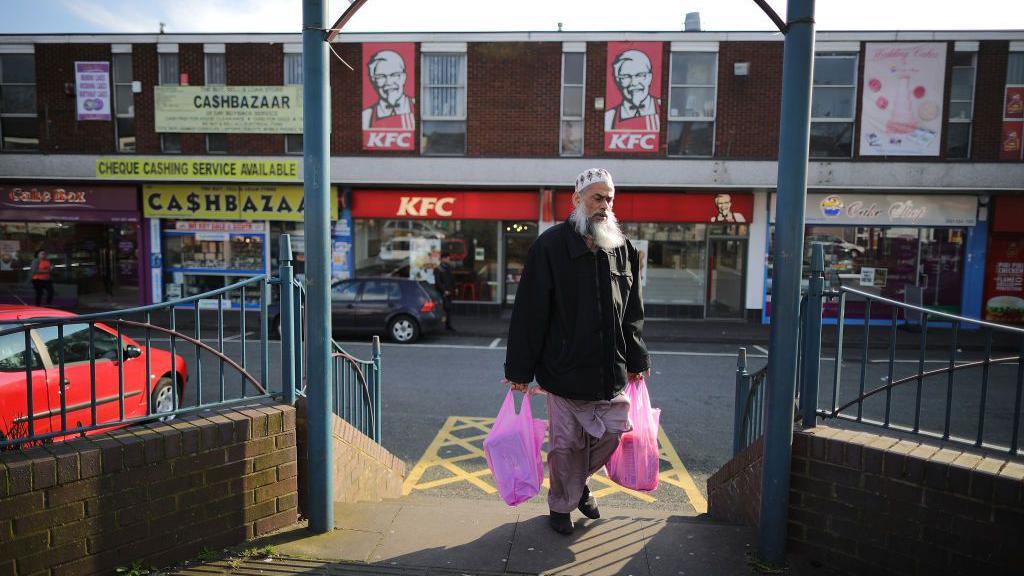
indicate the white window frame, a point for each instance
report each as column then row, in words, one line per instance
column 583, row 106
column 974, row 88
column 32, row 53
column 177, row 77
column 714, row 115
column 463, row 83
column 852, row 120
column 212, row 50
column 291, row 56
column 116, row 81
column 292, row 53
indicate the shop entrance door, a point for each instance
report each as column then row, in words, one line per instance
column 104, row 264
column 519, row 236
column 726, row 277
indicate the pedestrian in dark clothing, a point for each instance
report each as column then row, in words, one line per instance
column 444, row 280
column 41, row 277
column 577, row 328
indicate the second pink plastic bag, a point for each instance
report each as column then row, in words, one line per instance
column 512, row 449
column 636, row 462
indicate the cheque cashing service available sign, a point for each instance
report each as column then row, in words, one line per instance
column 204, row 202
column 142, row 168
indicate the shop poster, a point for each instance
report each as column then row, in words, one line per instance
column 9, row 254
column 902, row 99
column 389, row 104
column 424, row 258
column 92, row 90
column 1010, row 146
column 341, row 247
column 1004, row 294
column 632, row 121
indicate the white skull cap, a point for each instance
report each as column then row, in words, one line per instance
column 593, row 176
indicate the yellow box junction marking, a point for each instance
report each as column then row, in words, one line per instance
column 468, row 433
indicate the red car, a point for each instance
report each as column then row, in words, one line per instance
column 78, row 384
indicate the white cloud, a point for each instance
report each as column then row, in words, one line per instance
column 125, row 18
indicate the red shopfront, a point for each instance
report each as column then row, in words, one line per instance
column 487, row 234
column 694, row 248
column 1004, row 274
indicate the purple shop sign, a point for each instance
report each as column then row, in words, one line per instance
column 92, row 88
column 70, row 203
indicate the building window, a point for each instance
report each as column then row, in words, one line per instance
column 124, row 103
column 444, row 104
column 19, row 128
column 833, row 105
column 961, row 105
column 170, row 76
column 215, row 70
column 293, row 75
column 573, row 87
column 693, row 89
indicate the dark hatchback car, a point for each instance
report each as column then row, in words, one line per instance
column 403, row 309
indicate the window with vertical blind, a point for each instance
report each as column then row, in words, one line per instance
column 444, row 104
column 573, row 88
column 693, row 90
column 216, row 74
column 961, row 105
column 833, row 104
column 124, row 103
column 170, row 76
column 293, row 75
column 19, row 130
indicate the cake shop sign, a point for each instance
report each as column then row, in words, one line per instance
column 889, row 209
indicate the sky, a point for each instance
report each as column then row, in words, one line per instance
column 183, row 16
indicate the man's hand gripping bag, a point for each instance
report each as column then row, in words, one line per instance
column 512, row 448
column 635, row 463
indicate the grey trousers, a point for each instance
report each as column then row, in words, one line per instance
column 582, row 436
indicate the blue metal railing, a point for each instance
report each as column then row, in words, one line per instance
column 749, row 404
column 89, row 353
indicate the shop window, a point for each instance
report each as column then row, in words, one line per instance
column 215, row 70
column 170, row 76
column 961, row 105
column 573, row 87
column 444, row 104
column 412, row 249
column 293, row 75
column 833, row 105
column 693, row 89
column 124, row 103
column 676, row 260
column 19, row 129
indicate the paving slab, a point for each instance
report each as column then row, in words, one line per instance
column 613, row 544
column 681, row 546
column 366, row 516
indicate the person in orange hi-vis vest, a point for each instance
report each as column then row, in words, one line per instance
column 41, row 277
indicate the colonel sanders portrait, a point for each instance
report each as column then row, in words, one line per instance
column 633, row 75
column 393, row 108
column 723, row 202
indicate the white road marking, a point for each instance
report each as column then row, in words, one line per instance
column 761, row 349
column 495, row 342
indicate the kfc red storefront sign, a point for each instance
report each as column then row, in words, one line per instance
column 713, row 207
column 445, row 205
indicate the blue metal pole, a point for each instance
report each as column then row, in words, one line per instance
column 811, row 354
column 316, row 186
column 740, row 404
column 286, row 326
column 798, row 62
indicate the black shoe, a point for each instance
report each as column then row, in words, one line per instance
column 450, row 329
column 588, row 505
column 560, row 522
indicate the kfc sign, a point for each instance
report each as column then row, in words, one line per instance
column 425, row 206
column 633, row 95
column 442, row 205
column 389, row 83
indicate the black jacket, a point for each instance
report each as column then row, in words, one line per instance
column 444, row 279
column 578, row 318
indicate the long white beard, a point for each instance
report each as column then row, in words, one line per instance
column 606, row 233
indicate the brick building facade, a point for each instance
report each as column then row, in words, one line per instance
column 495, row 128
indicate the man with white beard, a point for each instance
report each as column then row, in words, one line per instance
column 576, row 328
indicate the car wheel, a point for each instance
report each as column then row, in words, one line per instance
column 163, row 398
column 404, row 329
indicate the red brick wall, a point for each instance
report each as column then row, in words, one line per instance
column 255, row 65
column 59, row 130
column 347, row 100
column 747, row 121
column 988, row 100
column 191, row 61
column 145, row 69
column 514, row 95
column 156, row 494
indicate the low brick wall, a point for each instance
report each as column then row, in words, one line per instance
column 866, row 504
column 734, row 492
column 157, row 494
column 363, row 470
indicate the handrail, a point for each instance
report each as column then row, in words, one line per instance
column 951, row 317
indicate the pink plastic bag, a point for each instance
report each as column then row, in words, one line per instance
column 636, row 462
column 512, row 448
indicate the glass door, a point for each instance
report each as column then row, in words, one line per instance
column 726, row 277
column 519, row 236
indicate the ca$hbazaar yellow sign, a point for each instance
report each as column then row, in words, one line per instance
column 228, row 202
column 234, row 109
